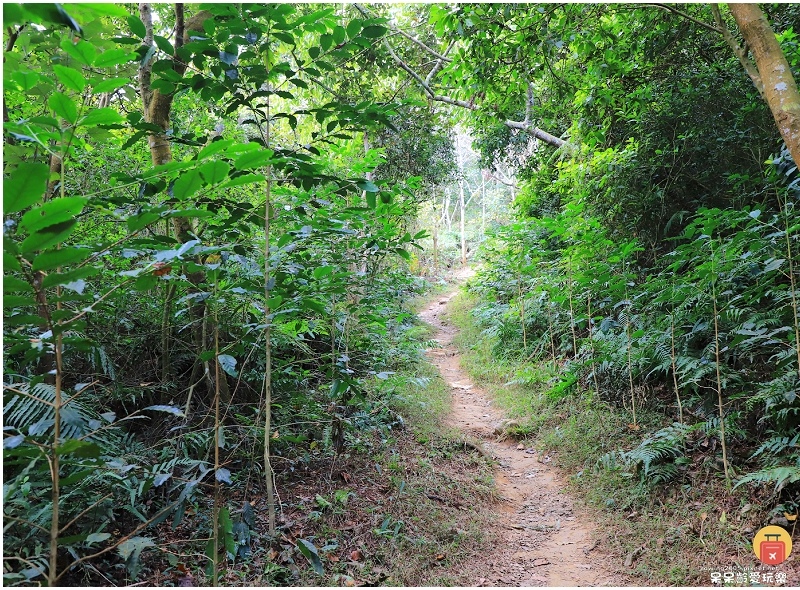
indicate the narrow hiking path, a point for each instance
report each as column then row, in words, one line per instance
column 544, row 537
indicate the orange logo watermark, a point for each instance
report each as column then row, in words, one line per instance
column 772, row 545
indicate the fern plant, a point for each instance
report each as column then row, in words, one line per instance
column 658, row 457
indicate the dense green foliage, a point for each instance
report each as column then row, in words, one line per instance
column 134, row 358
column 654, row 256
column 211, row 214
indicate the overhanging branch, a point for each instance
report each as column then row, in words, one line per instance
column 425, row 84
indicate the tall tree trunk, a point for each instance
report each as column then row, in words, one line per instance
column 156, row 107
column 774, row 79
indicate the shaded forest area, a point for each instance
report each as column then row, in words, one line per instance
column 218, row 218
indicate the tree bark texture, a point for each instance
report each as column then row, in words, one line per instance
column 156, row 107
column 778, row 84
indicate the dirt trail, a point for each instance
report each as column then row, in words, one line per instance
column 545, row 538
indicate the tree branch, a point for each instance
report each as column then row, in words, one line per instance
column 739, row 52
column 521, row 125
column 691, row 18
column 419, row 43
column 438, row 65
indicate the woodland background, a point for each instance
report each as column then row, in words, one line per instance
column 218, row 218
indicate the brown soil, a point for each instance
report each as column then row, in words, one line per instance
column 543, row 536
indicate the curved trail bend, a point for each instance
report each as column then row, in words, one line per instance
column 544, row 537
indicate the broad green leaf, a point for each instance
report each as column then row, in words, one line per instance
column 226, row 530
column 339, row 34
column 102, row 9
column 214, row 148
column 253, row 159
column 326, row 41
column 228, row 364
column 223, row 475
column 70, row 78
column 47, row 237
column 368, row 186
column 53, row 13
column 82, row 51
column 163, row 44
column 374, row 31
column 187, row 185
column 12, row 14
column 114, row 57
column 103, row 116
column 131, row 549
column 310, row 552
column 97, row 538
column 26, row 79
column 10, row 262
column 12, row 442
column 52, row 212
column 773, row 265
column 403, row 253
column 66, row 278
column 214, row 172
column 160, row 479
column 136, row 26
column 15, row 285
column 168, row 409
column 163, row 86
column 322, row 271
column 25, row 186
column 76, row 477
column 79, row 448
column 11, row 301
column 63, row 106
column 145, row 282
column 353, row 28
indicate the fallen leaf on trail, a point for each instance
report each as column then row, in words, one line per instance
column 520, row 447
column 723, row 519
column 356, row 555
column 633, row 427
column 703, row 515
column 272, row 554
column 790, row 517
column 440, row 557
column 333, row 558
column 540, row 562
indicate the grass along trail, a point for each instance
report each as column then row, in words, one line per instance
column 544, row 537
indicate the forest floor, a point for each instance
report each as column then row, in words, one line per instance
column 542, row 536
